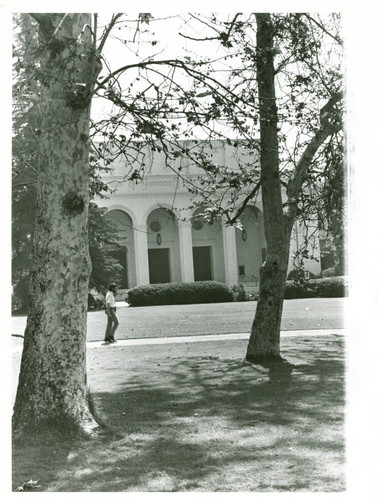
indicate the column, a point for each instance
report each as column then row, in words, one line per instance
column 141, row 255
column 230, row 255
column 186, row 251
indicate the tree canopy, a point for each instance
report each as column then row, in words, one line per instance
column 174, row 104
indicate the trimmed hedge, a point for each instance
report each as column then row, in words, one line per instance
column 323, row 287
column 200, row 292
column 317, row 288
column 204, row 292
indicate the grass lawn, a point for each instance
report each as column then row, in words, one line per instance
column 195, row 417
column 200, row 319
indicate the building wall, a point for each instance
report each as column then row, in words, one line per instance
column 162, row 198
column 124, row 225
column 250, row 244
column 211, row 235
column 169, row 238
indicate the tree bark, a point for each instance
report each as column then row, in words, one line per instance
column 52, row 381
column 264, row 341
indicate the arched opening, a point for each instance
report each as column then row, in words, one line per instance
column 125, row 253
column 163, row 246
column 250, row 245
column 208, row 253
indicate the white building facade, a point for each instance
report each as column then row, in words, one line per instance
column 160, row 243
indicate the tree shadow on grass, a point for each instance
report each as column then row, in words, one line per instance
column 210, row 424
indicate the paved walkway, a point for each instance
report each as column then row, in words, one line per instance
column 207, row 338
column 17, row 346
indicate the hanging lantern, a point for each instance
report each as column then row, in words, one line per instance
column 158, row 239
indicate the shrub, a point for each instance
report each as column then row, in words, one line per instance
column 254, row 296
column 297, row 290
column 316, row 288
column 328, row 273
column 240, row 294
column 323, row 287
column 330, row 287
column 95, row 302
column 180, row 293
column 212, row 291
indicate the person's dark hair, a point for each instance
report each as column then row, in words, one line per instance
column 112, row 287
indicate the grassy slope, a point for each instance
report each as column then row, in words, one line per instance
column 198, row 319
column 195, row 417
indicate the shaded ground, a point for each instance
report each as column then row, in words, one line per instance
column 195, row 417
column 200, row 319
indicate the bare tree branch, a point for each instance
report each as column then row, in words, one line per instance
column 327, row 127
column 240, row 210
column 107, row 31
column 222, row 36
column 335, row 37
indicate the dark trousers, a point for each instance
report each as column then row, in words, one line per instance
column 112, row 325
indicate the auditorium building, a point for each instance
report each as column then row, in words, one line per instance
column 160, row 242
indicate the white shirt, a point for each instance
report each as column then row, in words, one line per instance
column 109, row 299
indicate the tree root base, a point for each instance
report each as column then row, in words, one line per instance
column 57, row 427
column 265, row 360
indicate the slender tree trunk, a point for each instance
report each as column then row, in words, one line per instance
column 52, row 381
column 264, row 341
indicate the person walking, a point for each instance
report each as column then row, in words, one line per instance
column 110, row 311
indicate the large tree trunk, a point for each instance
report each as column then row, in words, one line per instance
column 264, row 341
column 52, row 381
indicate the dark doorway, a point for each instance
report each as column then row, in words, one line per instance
column 121, row 256
column 202, row 263
column 158, row 263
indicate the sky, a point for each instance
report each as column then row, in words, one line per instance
column 160, row 38
column 163, row 31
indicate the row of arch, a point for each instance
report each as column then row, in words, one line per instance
column 165, row 248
